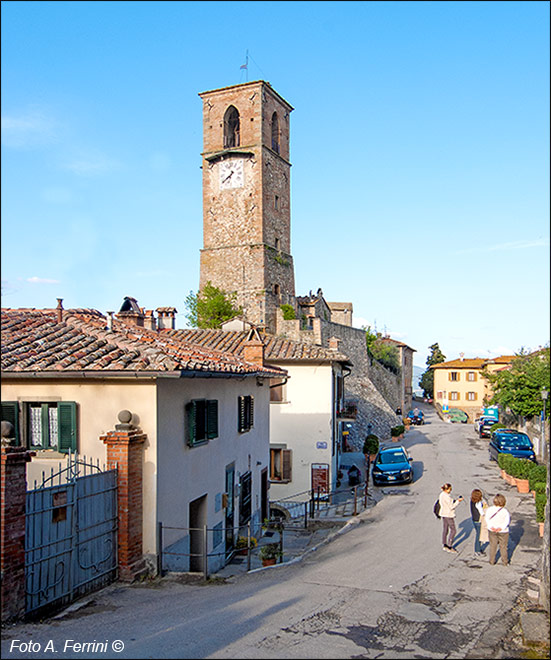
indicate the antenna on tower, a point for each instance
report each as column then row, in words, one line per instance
column 246, row 66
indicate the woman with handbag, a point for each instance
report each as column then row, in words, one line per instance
column 478, row 508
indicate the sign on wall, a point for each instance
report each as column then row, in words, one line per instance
column 320, row 478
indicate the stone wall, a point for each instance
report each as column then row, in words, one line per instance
column 388, row 384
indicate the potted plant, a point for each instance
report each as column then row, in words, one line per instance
column 541, row 501
column 396, row 432
column 242, row 545
column 501, row 461
column 269, row 553
column 371, row 447
column 537, row 474
column 508, row 467
column 522, row 468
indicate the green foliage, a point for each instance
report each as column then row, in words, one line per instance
column 507, row 462
column 496, row 427
column 540, row 487
column 382, row 352
column 538, row 473
column 519, row 388
column 211, row 307
column 426, row 381
column 541, row 501
column 501, row 460
column 396, row 431
column 371, row 444
column 242, row 542
column 288, row 312
column 521, row 468
column 270, row 551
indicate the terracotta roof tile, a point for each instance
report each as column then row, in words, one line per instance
column 34, row 341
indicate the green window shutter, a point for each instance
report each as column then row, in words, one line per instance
column 251, row 412
column 67, row 426
column 241, row 413
column 212, row 419
column 10, row 413
column 191, row 416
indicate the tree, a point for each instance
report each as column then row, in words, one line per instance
column 210, row 307
column 384, row 353
column 519, row 387
column 426, row 381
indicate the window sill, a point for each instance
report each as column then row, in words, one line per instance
column 48, row 453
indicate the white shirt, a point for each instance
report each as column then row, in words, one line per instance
column 497, row 517
column 447, row 505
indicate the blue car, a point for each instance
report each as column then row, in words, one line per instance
column 392, row 465
column 509, row 441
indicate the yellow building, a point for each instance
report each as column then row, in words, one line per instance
column 460, row 383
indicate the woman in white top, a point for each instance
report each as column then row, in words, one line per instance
column 498, row 520
column 447, row 513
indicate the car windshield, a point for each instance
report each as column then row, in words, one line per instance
column 516, row 441
column 392, row 457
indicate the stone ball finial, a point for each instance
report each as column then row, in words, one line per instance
column 125, row 416
column 7, row 433
column 125, row 419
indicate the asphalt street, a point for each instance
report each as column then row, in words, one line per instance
column 383, row 589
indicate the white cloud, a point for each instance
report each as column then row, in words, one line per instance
column 92, row 165
column 41, row 280
column 513, row 245
column 27, row 130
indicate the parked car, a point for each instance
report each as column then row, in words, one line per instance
column 480, row 420
column 509, row 441
column 392, row 465
column 416, row 417
column 485, row 427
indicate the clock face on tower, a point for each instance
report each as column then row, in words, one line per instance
column 231, row 173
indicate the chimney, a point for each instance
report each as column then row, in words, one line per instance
column 334, row 343
column 110, row 321
column 166, row 318
column 461, row 356
column 253, row 348
column 60, row 310
column 150, row 322
column 130, row 313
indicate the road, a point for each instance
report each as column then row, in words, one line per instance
column 384, row 589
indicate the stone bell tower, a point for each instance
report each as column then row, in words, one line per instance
column 246, row 198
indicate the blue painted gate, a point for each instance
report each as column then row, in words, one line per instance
column 70, row 536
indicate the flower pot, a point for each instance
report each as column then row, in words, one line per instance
column 533, row 493
column 503, row 473
column 523, row 485
column 509, row 479
column 541, row 524
column 269, row 562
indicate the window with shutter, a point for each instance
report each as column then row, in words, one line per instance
column 10, row 413
column 286, row 465
column 201, row 421
column 245, row 413
column 66, row 426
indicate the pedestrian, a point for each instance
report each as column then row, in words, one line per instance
column 478, row 507
column 498, row 520
column 447, row 513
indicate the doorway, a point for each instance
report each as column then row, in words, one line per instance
column 197, row 521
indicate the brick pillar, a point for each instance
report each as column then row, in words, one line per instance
column 124, row 451
column 13, row 485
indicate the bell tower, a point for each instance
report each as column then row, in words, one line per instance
column 246, row 198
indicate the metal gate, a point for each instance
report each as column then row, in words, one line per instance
column 70, row 535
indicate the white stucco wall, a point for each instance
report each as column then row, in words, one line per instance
column 303, row 423
column 98, row 404
column 188, row 473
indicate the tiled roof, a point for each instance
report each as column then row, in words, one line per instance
column 389, row 340
column 474, row 363
column 277, row 349
column 34, row 341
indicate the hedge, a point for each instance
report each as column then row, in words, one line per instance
column 541, row 501
column 538, row 473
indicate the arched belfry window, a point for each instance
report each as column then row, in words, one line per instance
column 231, row 127
column 275, row 133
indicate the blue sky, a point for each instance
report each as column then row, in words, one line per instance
column 419, row 145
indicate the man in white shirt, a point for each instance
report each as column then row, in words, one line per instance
column 498, row 520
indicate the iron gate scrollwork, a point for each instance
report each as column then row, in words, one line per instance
column 70, row 535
